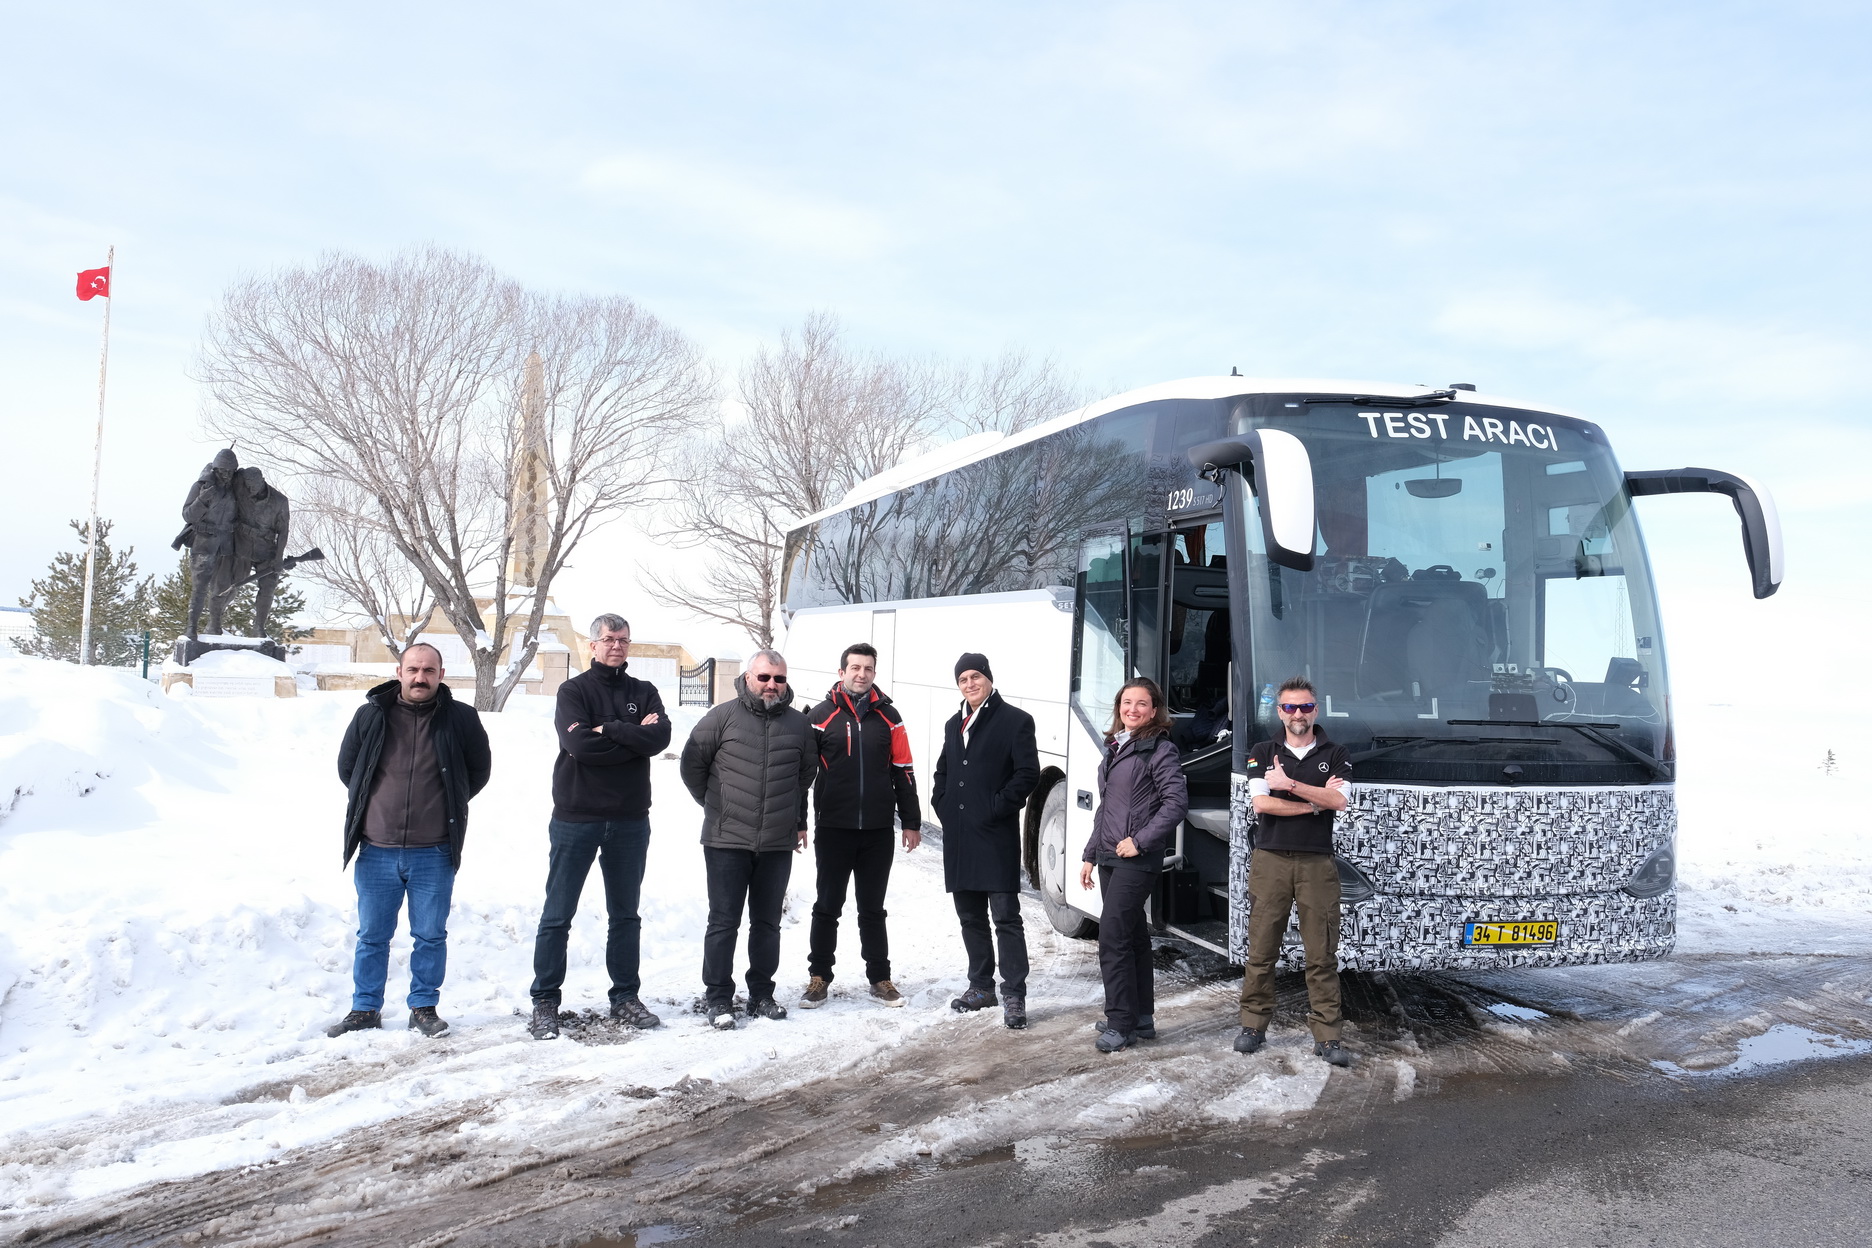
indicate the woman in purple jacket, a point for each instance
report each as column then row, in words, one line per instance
column 1142, row 798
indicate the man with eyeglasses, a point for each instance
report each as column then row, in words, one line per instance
column 750, row 764
column 1297, row 782
column 610, row 725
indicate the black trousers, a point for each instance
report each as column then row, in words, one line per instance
column 1125, row 946
column 740, row 878
column 973, row 908
column 845, row 855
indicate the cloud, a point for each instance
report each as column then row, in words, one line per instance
column 740, row 205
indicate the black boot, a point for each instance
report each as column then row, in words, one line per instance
column 544, row 1025
column 631, row 1012
column 1014, row 1011
column 356, row 1020
column 1251, row 1039
column 972, row 1000
column 424, row 1019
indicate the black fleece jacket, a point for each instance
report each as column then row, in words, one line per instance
column 606, row 775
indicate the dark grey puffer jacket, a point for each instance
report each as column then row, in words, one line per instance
column 751, row 767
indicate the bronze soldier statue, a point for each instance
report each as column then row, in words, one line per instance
column 211, row 514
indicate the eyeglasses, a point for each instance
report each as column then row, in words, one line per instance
column 1299, row 708
column 764, row 677
column 612, row 641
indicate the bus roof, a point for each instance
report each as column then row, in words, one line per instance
column 979, row 446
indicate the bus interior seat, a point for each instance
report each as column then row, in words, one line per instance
column 1425, row 636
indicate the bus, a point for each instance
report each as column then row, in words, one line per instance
column 1462, row 577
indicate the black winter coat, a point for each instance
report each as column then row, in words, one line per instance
column 865, row 777
column 751, row 767
column 606, row 775
column 461, row 747
column 1144, row 795
column 978, row 792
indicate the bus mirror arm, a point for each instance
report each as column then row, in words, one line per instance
column 1278, row 470
column 1761, row 523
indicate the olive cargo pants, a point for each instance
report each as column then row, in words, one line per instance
column 1278, row 880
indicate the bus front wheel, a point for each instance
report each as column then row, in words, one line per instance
column 1054, row 863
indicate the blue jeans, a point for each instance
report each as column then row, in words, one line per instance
column 384, row 877
column 619, row 845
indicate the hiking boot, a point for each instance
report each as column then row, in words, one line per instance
column 1111, row 1040
column 972, row 1000
column 1146, row 1028
column 1251, row 1039
column 423, row 1018
column 1333, row 1054
column 767, row 1007
column 544, row 1025
column 356, row 1020
column 815, row 994
column 721, row 1016
column 885, row 993
column 1014, row 1012
column 631, row 1012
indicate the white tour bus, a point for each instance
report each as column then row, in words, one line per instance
column 1460, row 576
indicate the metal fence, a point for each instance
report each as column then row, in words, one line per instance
column 698, row 684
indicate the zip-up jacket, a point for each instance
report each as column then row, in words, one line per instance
column 1305, row 834
column 606, row 775
column 1144, row 795
column 751, row 767
column 865, row 777
column 461, row 752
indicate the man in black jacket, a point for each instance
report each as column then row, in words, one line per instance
column 989, row 766
column 750, row 764
column 864, row 782
column 1298, row 782
column 610, row 726
column 410, row 761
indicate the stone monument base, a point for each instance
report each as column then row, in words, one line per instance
column 188, row 649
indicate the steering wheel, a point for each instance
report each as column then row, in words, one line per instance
column 1562, row 682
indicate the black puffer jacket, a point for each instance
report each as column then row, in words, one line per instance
column 865, row 777
column 751, row 767
column 1143, row 794
column 461, row 747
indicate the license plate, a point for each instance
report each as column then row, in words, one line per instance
column 1530, row 933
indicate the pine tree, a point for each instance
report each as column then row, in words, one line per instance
column 169, row 601
column 119, row 604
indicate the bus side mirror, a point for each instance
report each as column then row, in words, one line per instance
column 1277, row 468
column 1761, row 523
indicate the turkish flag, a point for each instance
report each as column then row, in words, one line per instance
column 94, row 282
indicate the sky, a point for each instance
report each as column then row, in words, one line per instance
column 1652, row 216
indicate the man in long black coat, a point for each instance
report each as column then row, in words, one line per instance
column 989, row 766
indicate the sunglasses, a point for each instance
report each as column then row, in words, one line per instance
column 1299, row 708
column 763, row 678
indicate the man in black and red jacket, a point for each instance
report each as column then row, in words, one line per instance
column 865, row 782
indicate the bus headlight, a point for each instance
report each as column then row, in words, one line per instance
column 1353, row 886
column 1655, row 874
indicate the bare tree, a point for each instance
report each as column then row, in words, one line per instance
column 434, row 388
column 1011, row 392
column 362, row 564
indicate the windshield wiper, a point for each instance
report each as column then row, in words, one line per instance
column 1417, row 400
column 1659, row 769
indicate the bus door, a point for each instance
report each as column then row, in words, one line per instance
column 1101, row 664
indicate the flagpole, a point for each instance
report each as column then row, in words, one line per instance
column 97, row 461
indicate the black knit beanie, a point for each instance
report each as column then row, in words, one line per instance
column 973, row 663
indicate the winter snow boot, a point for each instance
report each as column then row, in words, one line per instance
column 631, row 1012
column 423, row 1018
column 356, row 1020
column 815, row 994
column 972, row 1000
column 721, row 1015
column 1146, row 1027
column 1111, row 1040
column 1251, row 1039
column 767, row 1007
column 886, row 993
column 1014, row 1012
column 544, row 1025
column 1331, row 1052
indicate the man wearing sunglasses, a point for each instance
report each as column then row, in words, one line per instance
column 1298, row 782
column 750, row 763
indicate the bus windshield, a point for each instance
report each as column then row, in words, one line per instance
column 1480, row 608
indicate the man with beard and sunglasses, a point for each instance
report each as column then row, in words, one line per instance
column 750, row 764
column 1298, row 781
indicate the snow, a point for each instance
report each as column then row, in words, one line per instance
column 176, row 932
column 238, row 663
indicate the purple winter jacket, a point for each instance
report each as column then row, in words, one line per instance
column 1142, row 795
